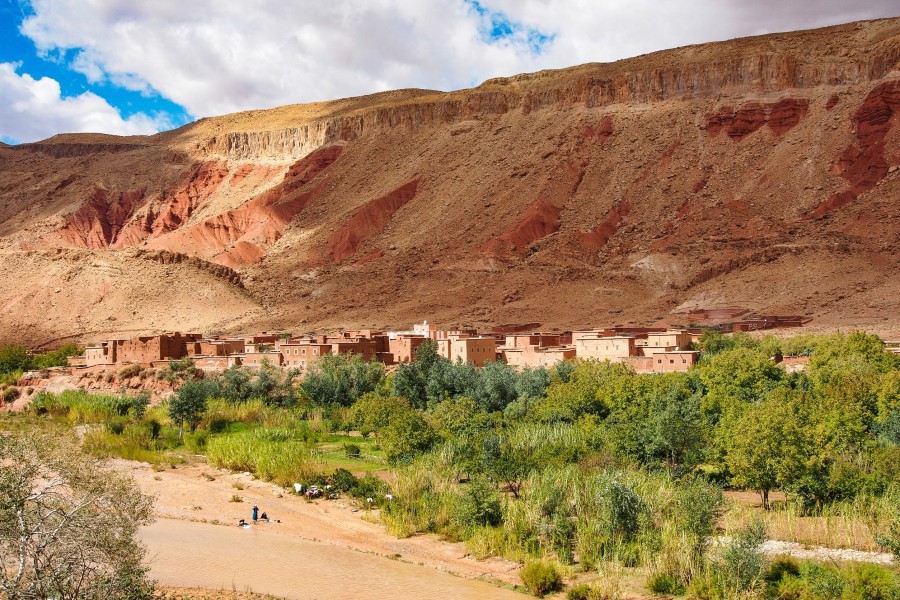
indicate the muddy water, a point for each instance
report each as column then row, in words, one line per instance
column 259, row 559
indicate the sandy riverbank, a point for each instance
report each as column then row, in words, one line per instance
column 198, row 492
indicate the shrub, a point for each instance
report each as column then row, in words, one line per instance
column 369, row 486
column 781, row 568
column 821, row 582
column 196, row 441
column 582, row 591
column 344, row 481
column 352, row 450
column 541, row 578
column 10, row 394
column 871, row 582
column 742, row 562
column 891, row 539
column 665, row 583
column 479, row 506
column 129, row 371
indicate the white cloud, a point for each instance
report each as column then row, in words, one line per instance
column 34, row 109
column 217, row 56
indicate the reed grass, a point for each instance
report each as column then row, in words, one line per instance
column 81, row 407
column 853, row 524
column 277, row 455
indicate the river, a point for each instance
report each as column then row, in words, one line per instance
column 189, row 554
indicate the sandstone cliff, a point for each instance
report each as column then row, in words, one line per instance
column 759, row 172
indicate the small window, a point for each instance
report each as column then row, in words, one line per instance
column 671, row 362
column 316, row 352
column 304, row 351
column 295, row 351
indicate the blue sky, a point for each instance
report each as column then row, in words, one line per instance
column 140, row 66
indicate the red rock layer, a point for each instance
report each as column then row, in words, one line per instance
column 100, row 219
column 598, row 237
column 599, row 133
column 864, row 164
column 176, row 205
column 240, row 237
column 369, row 221
column 780, row 116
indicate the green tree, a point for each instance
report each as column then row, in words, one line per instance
column 769, row 447
column 335, row 379
column 676, row 430
column 14, row 358
column 505, row 464
column 407, row 436
column 373, row 412
column 189, row 403
column 56, row 358
column 739, row 375
column 68, row 524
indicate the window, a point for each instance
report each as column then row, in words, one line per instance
column 315, row 351
column 295, row 352
column 304, row 351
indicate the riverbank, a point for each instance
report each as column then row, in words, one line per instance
column 263, row 560
column 201, row 494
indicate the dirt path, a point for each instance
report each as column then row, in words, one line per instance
column 188, row 493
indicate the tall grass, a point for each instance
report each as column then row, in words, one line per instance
column 81, row 407
column 278, row 455
column 851, row 523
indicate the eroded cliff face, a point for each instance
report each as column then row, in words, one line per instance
column 606, row 192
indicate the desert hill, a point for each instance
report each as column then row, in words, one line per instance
column 759, row 173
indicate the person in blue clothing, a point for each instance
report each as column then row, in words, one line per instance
column 255, row 513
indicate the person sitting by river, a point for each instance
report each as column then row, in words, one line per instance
column 243, row 523
column 264, row 517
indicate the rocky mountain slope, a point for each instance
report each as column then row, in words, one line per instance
column 759, row 172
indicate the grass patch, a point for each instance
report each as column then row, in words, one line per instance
column 277, row 455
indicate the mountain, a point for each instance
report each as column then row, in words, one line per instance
column 758, row 173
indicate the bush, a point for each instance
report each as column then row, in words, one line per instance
column 10, row 394
column 480, row 506
column 742, row 562
column 130, row 371
column 344, row 481
column 352, row 450
column 871, row 582
column 196, row 441
column 369, row 486
column 541, row 578
column 665, row 583
column 582, row 591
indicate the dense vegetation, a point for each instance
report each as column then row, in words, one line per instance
column 15, row 360
column 585, row 465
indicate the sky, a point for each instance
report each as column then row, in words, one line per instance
column 129, row 67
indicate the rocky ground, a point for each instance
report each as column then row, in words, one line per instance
column 760, row 173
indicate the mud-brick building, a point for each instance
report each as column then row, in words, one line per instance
column 474, row 350
column 302, row 354
column 402, row 349
column 147, row 349
column 258, row 359
column 533, row 356
column 224, row 347
column 600, row 347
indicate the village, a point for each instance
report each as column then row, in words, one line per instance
column 645, row 349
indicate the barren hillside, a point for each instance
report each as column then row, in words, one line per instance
column 760, row 173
